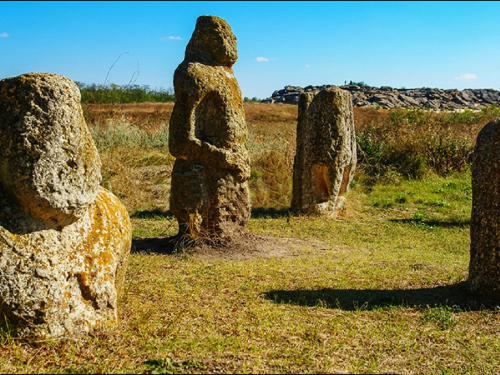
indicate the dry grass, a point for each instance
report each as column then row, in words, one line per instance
column 380, row 291
column 414, row 143
column 271, row 144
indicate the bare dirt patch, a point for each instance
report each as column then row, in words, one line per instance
column 247, row 247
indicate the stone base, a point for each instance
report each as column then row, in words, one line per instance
column 331, row 210
column 61, row 283
column 209, row 204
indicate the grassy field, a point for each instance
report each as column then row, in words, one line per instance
column 379, row 291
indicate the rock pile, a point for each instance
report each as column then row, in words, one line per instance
column 64, row 240
column 388, row 97
column 209, row 194
column 326, row 152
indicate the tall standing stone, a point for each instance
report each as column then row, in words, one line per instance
column 484, row 266
column 326, row 152
column 209, row 192
column 64, row 240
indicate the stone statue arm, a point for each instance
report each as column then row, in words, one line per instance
column 184, row 144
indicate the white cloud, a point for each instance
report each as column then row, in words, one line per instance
column 171, row 38
column 467, row 76
column 4, row 35
column 308, row 66
column 261, row 59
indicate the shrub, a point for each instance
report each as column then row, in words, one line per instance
column 415, row 142
column 360, row 83
column 114, row 93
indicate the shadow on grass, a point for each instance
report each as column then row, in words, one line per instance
column 455, row 295
column 151, row 214
column 435, row 223
column 263, row 213
column 165, row 245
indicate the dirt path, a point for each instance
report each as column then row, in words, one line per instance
column 248, row 247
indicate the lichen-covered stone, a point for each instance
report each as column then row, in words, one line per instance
column 64, row 240
column 484, row 266
column 209, row 192
column 326, row 152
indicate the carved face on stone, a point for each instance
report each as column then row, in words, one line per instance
column 49, row 163
column 214, row 37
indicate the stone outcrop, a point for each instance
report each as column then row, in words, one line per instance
column 209, row 191
column 484, row 266
column 64, row 240
column 388, row 97
column 326, row 152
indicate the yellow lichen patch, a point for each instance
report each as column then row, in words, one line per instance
column 65, row 244
column 107, row 244
column 65, row 301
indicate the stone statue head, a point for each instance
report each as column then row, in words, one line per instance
column 49, row 163
column 212, row 42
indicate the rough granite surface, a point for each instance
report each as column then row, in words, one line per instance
column 325, row 159
column 64, row 240
column 209, row 192
column 484, row 266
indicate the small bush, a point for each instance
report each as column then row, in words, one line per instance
column 114, row 93
column 391, row 146
column 413, row 143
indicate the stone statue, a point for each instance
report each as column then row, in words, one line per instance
column 484, row 266
column 64, row 240
column 326, row 152
column 209, row 192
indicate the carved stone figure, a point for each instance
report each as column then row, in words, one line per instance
column 209, row 192
column 484, row 266
column 326, row 152
column 64, row 240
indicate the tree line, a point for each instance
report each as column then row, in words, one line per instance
column 113, row 93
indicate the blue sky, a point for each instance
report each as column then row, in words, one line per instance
column 398, row 44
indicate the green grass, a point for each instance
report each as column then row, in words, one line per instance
column 379, row 291
column 382, row 294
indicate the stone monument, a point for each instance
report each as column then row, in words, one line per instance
column 64, row 240
column 209, row 192
column 326, row 152
column 484, row 266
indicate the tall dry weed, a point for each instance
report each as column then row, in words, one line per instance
column 271, row 144
column 413, row 143
column 136, row 164
column 133, row 143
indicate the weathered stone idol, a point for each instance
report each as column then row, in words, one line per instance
column 64, row 240
column 209, row 192
column 484, row 266
column 326, row 152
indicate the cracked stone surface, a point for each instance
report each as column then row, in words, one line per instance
column 325, row 159
column 64, row 240
column 484, row 266
column 209, row 193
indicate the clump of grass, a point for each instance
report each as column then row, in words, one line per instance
column 440, row 314
column 272, row 170
column 271, row 144
column 414, row 143
column 147, row 116
column 121, row 134
column 136, row 164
